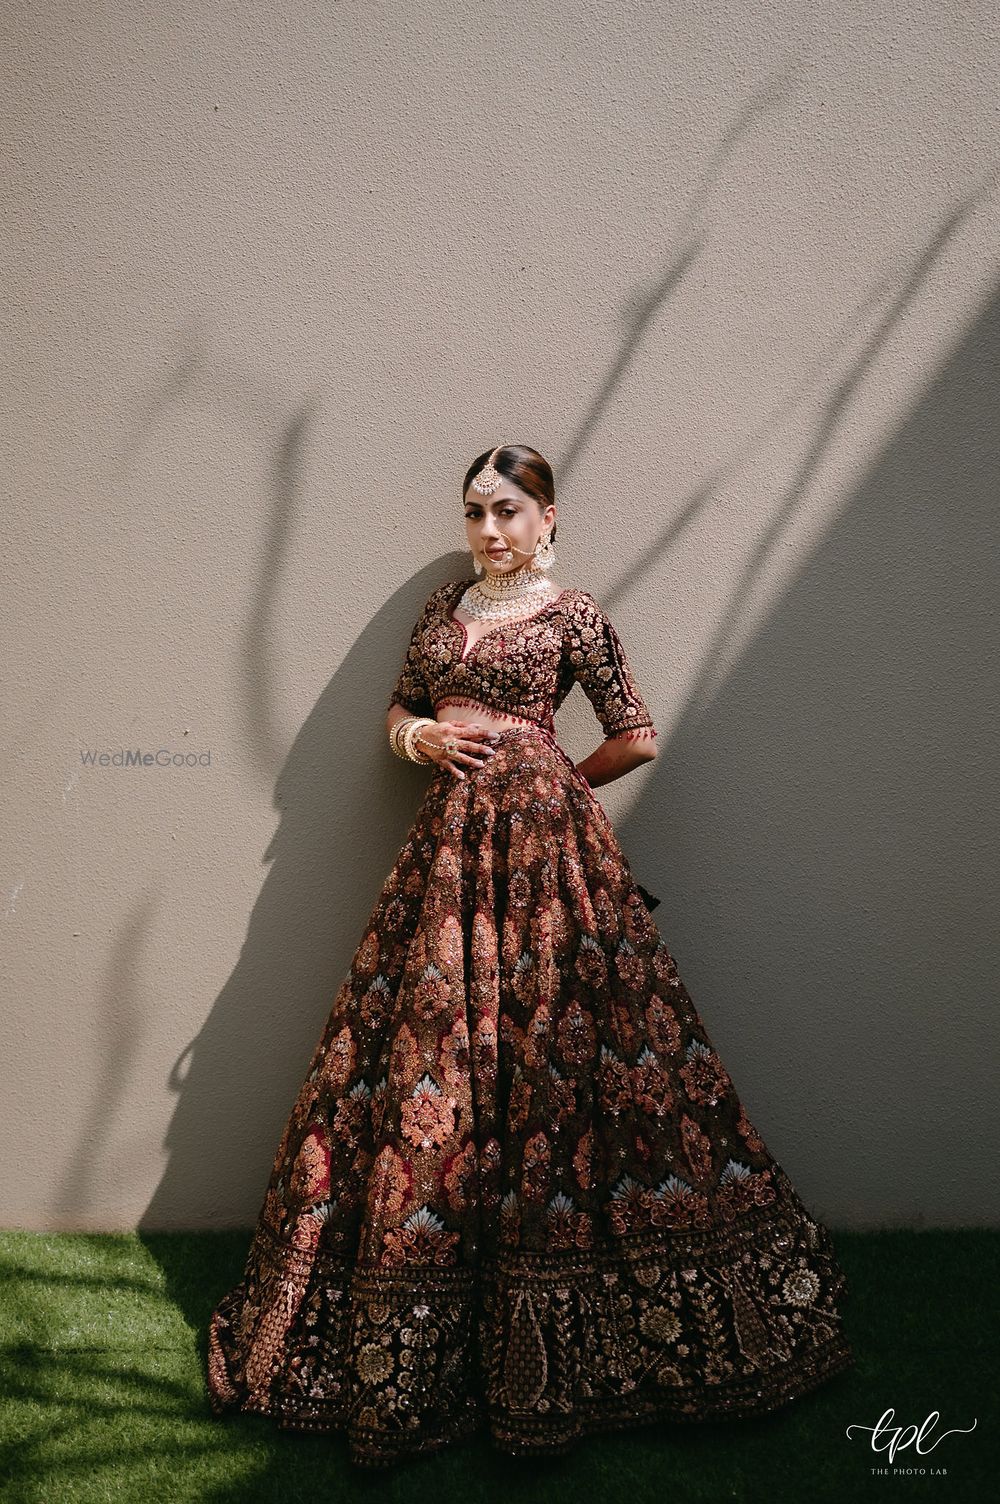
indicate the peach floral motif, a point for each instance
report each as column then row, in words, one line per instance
column 661, row 1324
column 391, row 1184
column 522, row 976
column 510, row 1218
column 451, row 944
column 484, row 1043
column 674, row 1203
column 748, row 1133
column 458, row 1177
column 607, row 914
column 454, row 1055
column 428, row 1115
column 650, row 1086
column 512, row 1036
column 801, row 1287
column 566, row 1226
column 536, row 1036
column 705, row 1077
column 519, row 1101
column 300, row 1114
column 339, row 1064
column 591, row 963
column 446, row 863
column 273, row 1212
column 366, row 957
column 697, row 1150
column 405, row 1054
column 627, row 1208
column 560, row 925
column 615, row 1084
column 663, row 1030
column 376, row 1002
column 395, row 914
column 431, row 993
column 306, row 1233
column 484, row 940
column 351, row 1113
column 422, row 1239
column 763, row 1187
column 623, row 1022
column 630, row 965
column 637, row 923
column 582, row 1160
column 530, row 850
column 378, row 1105
column 577, row 1035
column 310, row 1176
column 562, row 1098
column 374, row 1363
column 535, row 1167
column 664, row 966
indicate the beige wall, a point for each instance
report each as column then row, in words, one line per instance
column 272, row 276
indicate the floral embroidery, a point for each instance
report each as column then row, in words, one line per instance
column 517, row 1188
column 577, row 1035
column 523, row 669
column 704, row 1076
column 429, row 1116
column 311, row 1172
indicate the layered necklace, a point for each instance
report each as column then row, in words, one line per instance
column 507, row 597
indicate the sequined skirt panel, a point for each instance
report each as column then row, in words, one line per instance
column 517, row 1190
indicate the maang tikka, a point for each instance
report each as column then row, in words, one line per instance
column 488, row 478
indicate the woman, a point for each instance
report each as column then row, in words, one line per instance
column 518, row 1189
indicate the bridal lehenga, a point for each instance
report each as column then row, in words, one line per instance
column 517, row 1190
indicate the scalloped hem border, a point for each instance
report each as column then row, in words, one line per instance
column 543, row 1439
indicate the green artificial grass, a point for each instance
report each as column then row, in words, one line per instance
column 103, row 1340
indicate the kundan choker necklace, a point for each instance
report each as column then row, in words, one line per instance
column 508, row 596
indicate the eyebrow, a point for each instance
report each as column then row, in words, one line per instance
column 505, row 501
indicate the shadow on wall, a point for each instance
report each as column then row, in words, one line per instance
column 830, row 871
column 232, row 1083
column 826, row 866
column 822, row 830
column 237, row 1080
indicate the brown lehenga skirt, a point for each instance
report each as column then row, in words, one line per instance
column 517, row 1190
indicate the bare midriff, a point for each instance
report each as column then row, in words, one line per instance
column 471, row 712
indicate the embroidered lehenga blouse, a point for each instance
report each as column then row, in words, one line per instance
column 523, row 669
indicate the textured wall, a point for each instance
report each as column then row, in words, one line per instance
column 272, row 276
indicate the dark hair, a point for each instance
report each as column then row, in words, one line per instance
column 529, row 471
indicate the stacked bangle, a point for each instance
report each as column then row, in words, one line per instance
column 405, row 735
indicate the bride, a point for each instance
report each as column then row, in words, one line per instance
column 517, row 1190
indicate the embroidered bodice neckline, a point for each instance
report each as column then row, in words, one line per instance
column 516, row 621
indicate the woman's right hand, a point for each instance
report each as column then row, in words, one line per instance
column 468, row 738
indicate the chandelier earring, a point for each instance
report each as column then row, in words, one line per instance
column 544, row 556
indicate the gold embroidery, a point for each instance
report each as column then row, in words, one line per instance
column 517, row 1189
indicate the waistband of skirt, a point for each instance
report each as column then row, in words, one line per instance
column 533, row 729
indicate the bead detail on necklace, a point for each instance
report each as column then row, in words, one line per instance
column 508, row 597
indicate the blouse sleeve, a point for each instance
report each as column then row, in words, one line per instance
column 411, row 686
column 600, row 664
